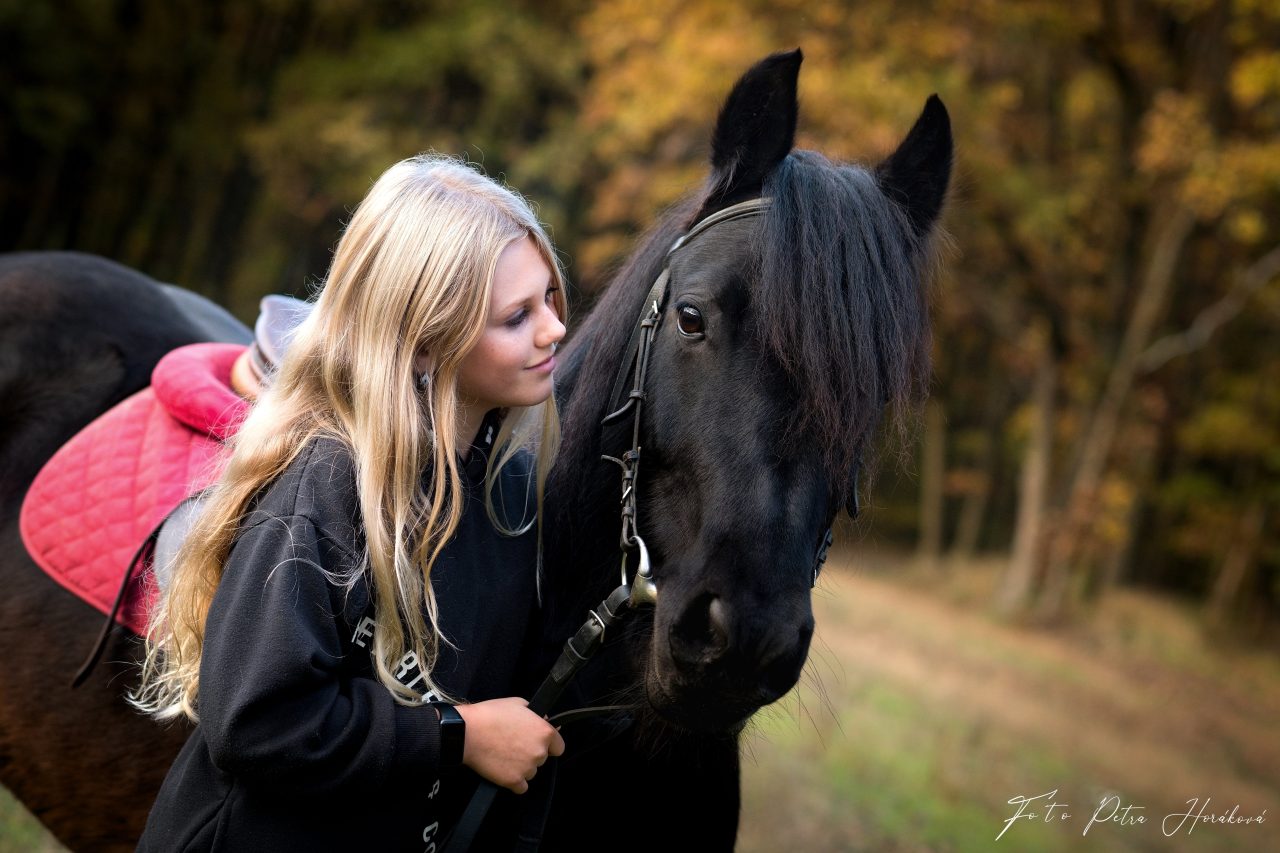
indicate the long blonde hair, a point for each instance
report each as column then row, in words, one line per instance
column 413, row 272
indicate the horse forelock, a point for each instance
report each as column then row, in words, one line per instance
column 841, row 302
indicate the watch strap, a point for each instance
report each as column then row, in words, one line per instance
column 453, row 732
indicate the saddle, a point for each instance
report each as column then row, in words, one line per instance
column 127, row 487
column 96, row 504
column 278, row 318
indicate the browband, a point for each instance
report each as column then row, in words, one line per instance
column 657, row 296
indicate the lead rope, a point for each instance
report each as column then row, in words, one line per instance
column 577, row 651
column 580, row 648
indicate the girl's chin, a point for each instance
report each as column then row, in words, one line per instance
column 541, row 395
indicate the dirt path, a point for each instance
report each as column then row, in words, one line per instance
column 994, row 711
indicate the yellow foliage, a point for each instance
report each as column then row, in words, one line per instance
column 1228, row 429
column 1256, row 78
column 1115, row 500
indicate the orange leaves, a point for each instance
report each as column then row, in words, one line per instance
column 1174, row 133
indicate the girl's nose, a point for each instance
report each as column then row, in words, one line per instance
column 552, row 329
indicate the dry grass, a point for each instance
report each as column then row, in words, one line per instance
column 921, row 716
column 20, row 832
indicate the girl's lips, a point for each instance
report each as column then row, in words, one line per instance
column 544, row 366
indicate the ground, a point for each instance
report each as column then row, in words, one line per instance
column 920, row 716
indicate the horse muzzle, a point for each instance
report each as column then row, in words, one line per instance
column 719, row 661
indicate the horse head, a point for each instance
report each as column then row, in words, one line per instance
column 785, row 329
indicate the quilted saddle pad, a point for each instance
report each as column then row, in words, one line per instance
column 99, row 498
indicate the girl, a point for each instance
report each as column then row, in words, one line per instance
column 346, row 619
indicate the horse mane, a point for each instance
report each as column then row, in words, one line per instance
column 841, row 305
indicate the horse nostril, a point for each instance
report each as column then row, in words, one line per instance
column 718, row 619
column 780, row 666
column 701, row 634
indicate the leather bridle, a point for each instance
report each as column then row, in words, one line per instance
column 636, row 362
column 642, row 590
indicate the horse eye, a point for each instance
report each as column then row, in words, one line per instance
column 689, row 319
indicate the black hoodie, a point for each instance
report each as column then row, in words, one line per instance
column 299, row 747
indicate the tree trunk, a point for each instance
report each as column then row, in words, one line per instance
column 1020, row 580
column 934, row 466
column 1115, row 563
column 1166, row 239
column 973, row 512
column 1238, row 564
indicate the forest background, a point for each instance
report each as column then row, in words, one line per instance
column 1105, row 419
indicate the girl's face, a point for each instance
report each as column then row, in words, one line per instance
column 512, row 362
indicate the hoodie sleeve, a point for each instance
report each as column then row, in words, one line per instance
column 274, row 702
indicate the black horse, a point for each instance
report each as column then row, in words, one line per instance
column 781, row 340
column 78, row 334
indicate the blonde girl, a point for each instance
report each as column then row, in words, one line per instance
column 345, row 623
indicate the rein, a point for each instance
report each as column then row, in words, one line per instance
column 642, row 590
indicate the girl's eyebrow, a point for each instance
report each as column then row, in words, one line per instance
column 524, row 299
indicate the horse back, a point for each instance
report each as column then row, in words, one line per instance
column 78, row 334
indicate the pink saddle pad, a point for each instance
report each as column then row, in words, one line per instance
column 95, row 502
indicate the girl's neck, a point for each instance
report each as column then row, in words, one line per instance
column 469, row 419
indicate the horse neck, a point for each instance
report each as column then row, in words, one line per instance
column 582, row 499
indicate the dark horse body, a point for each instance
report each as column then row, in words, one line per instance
column 78, row 334
column 815, row 307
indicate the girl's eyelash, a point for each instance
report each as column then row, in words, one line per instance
column 519, row 318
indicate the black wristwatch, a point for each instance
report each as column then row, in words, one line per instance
column 453, row 733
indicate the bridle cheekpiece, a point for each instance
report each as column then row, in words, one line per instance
column 636, row 361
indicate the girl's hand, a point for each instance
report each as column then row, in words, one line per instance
column 506, row 743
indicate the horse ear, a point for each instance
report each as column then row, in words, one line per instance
column 755, row 130
column 917, row 174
